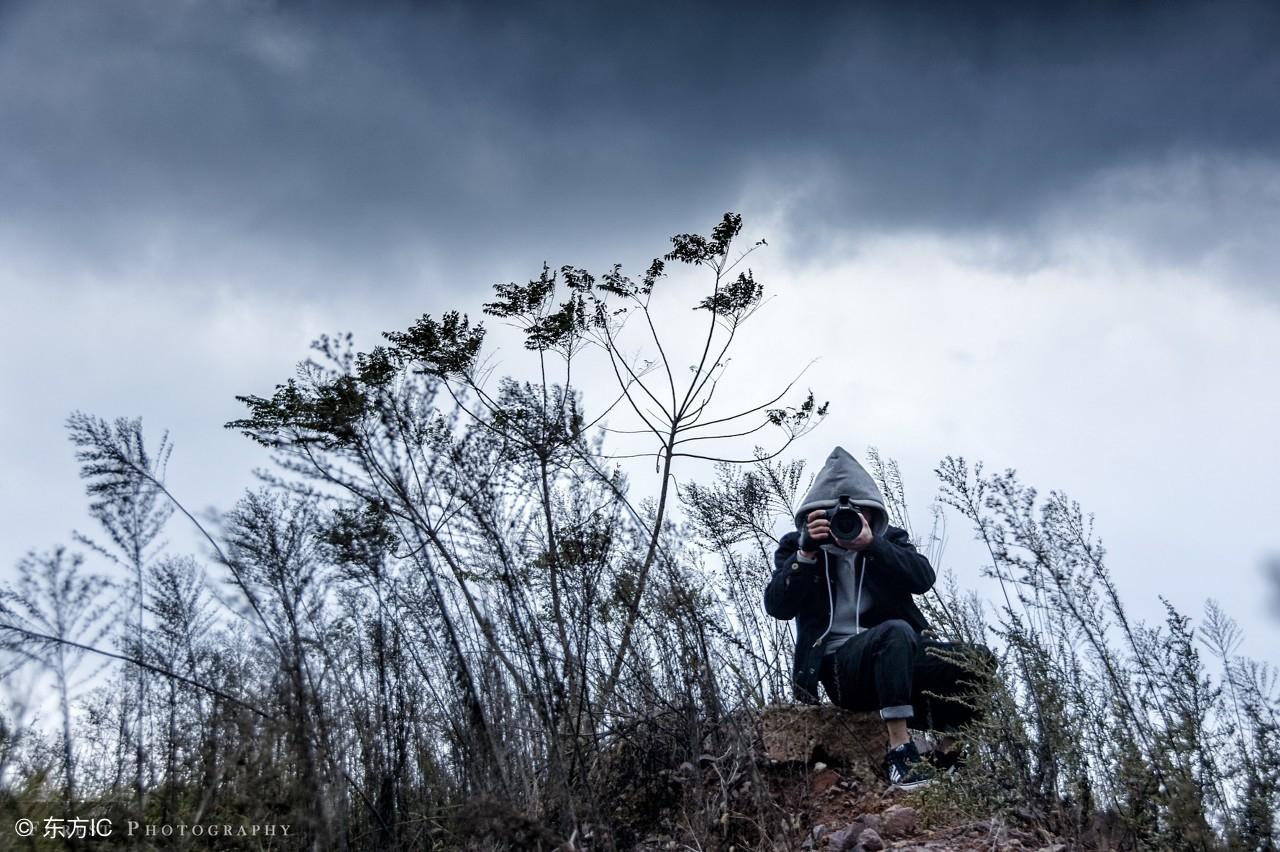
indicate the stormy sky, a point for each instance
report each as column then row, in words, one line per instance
column 1042, row 235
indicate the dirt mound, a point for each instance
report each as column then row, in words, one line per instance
column 844, row 804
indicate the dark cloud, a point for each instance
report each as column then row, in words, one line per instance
column 296, row 142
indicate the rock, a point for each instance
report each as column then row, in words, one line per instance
column 824, row 781
column 861, row 835
column 870, row 840
column 809, row 733
column 802, row 733
column 843, row 840
column 899, row 821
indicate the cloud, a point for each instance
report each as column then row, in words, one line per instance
column 314, row 147
column 1136, row 390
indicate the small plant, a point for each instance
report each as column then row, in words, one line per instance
column 1113, row 733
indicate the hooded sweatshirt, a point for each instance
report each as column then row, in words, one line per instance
column 883, row 577
column 842, row 476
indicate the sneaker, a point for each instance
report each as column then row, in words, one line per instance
column 906, row 769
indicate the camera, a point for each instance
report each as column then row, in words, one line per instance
column 846, row 523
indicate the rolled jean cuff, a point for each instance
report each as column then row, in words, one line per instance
column 898, row 711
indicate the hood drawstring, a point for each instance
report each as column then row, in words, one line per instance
column 858, row 562
column 831, row 604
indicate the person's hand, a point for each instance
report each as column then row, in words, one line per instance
column 815, row 534
column 863, row 539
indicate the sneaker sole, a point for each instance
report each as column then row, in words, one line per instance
column 911, row 785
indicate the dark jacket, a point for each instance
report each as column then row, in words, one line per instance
column 894, row 571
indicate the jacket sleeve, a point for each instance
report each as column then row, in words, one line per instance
column 898, row 558
column 785, row 592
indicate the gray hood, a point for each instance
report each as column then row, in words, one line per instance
column 842, row 476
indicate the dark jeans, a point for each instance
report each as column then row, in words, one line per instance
column 890, row 667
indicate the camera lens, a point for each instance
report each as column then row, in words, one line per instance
column 846, row 523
